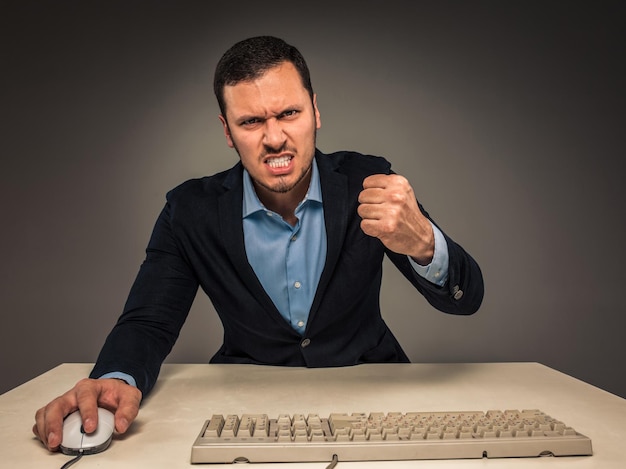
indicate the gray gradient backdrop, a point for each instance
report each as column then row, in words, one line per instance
column 508, row 118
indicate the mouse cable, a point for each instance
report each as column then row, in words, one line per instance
column 333, row 463
column 72, row 461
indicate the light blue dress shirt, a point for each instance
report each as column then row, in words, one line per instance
column 288, row 260
column 437, row 271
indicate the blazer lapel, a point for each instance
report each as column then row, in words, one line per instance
column 231, row 226
column 335, row 199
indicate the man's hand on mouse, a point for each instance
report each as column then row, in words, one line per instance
column 87, row 395
column 390, row 213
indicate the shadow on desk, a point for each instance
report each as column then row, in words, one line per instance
column 240, row 386
column 278, row 375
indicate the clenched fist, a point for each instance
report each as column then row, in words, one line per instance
column 390, row 213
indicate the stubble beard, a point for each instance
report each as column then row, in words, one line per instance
column 281, row 186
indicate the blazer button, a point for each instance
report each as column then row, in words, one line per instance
column 305, row 343
column 457, row 293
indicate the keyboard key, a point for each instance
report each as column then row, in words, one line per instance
column 214, row 428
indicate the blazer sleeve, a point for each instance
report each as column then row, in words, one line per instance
column 156, row 309
column 464, row 290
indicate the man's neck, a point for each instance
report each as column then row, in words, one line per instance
column 284, row 203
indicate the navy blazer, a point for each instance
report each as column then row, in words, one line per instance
column 198, row 241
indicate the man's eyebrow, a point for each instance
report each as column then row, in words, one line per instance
column 247, row 117
column 286, row 109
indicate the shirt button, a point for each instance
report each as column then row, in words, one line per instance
column 305, row 343
column 297, row 284
column 294, row 237
column 300, row 323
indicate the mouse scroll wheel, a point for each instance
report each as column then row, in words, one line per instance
column 82, row 430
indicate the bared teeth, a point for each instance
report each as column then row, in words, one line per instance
column 279, row 162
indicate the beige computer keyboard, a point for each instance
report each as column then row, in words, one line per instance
column 385, row 436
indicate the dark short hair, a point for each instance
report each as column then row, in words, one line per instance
column 251, row 58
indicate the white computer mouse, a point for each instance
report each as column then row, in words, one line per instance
column 76, row 441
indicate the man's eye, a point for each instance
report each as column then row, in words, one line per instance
column 289, row 113
column 252, row 122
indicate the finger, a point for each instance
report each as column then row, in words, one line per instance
column 41, row 429
column 379, row 227
column 369, row 227
column 369, row 212
column 87, row 392
column 372, row 195
column 128, row 408
column 49, row 421
column 380, row 211
column 377, row 180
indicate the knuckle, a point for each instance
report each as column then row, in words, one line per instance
column 84, row 385
column 40, row 414
column 400, row 180
column 396, row 197
column 390, row 225
column 366, row 226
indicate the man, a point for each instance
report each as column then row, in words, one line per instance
column 288, row 244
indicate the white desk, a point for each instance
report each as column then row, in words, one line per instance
column 186, row 395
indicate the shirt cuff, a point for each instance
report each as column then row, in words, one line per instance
column 437, row 271
column 119, row 375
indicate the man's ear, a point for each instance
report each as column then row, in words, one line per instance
column 318, row 119
column 229, row 139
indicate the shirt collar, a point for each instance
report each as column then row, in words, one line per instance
column 252, row 204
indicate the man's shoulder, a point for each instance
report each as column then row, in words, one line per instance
column 350, row 162
column 203, row 187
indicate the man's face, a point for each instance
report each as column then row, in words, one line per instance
column 271, row 122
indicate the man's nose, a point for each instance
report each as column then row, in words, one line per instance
column 273, row 136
